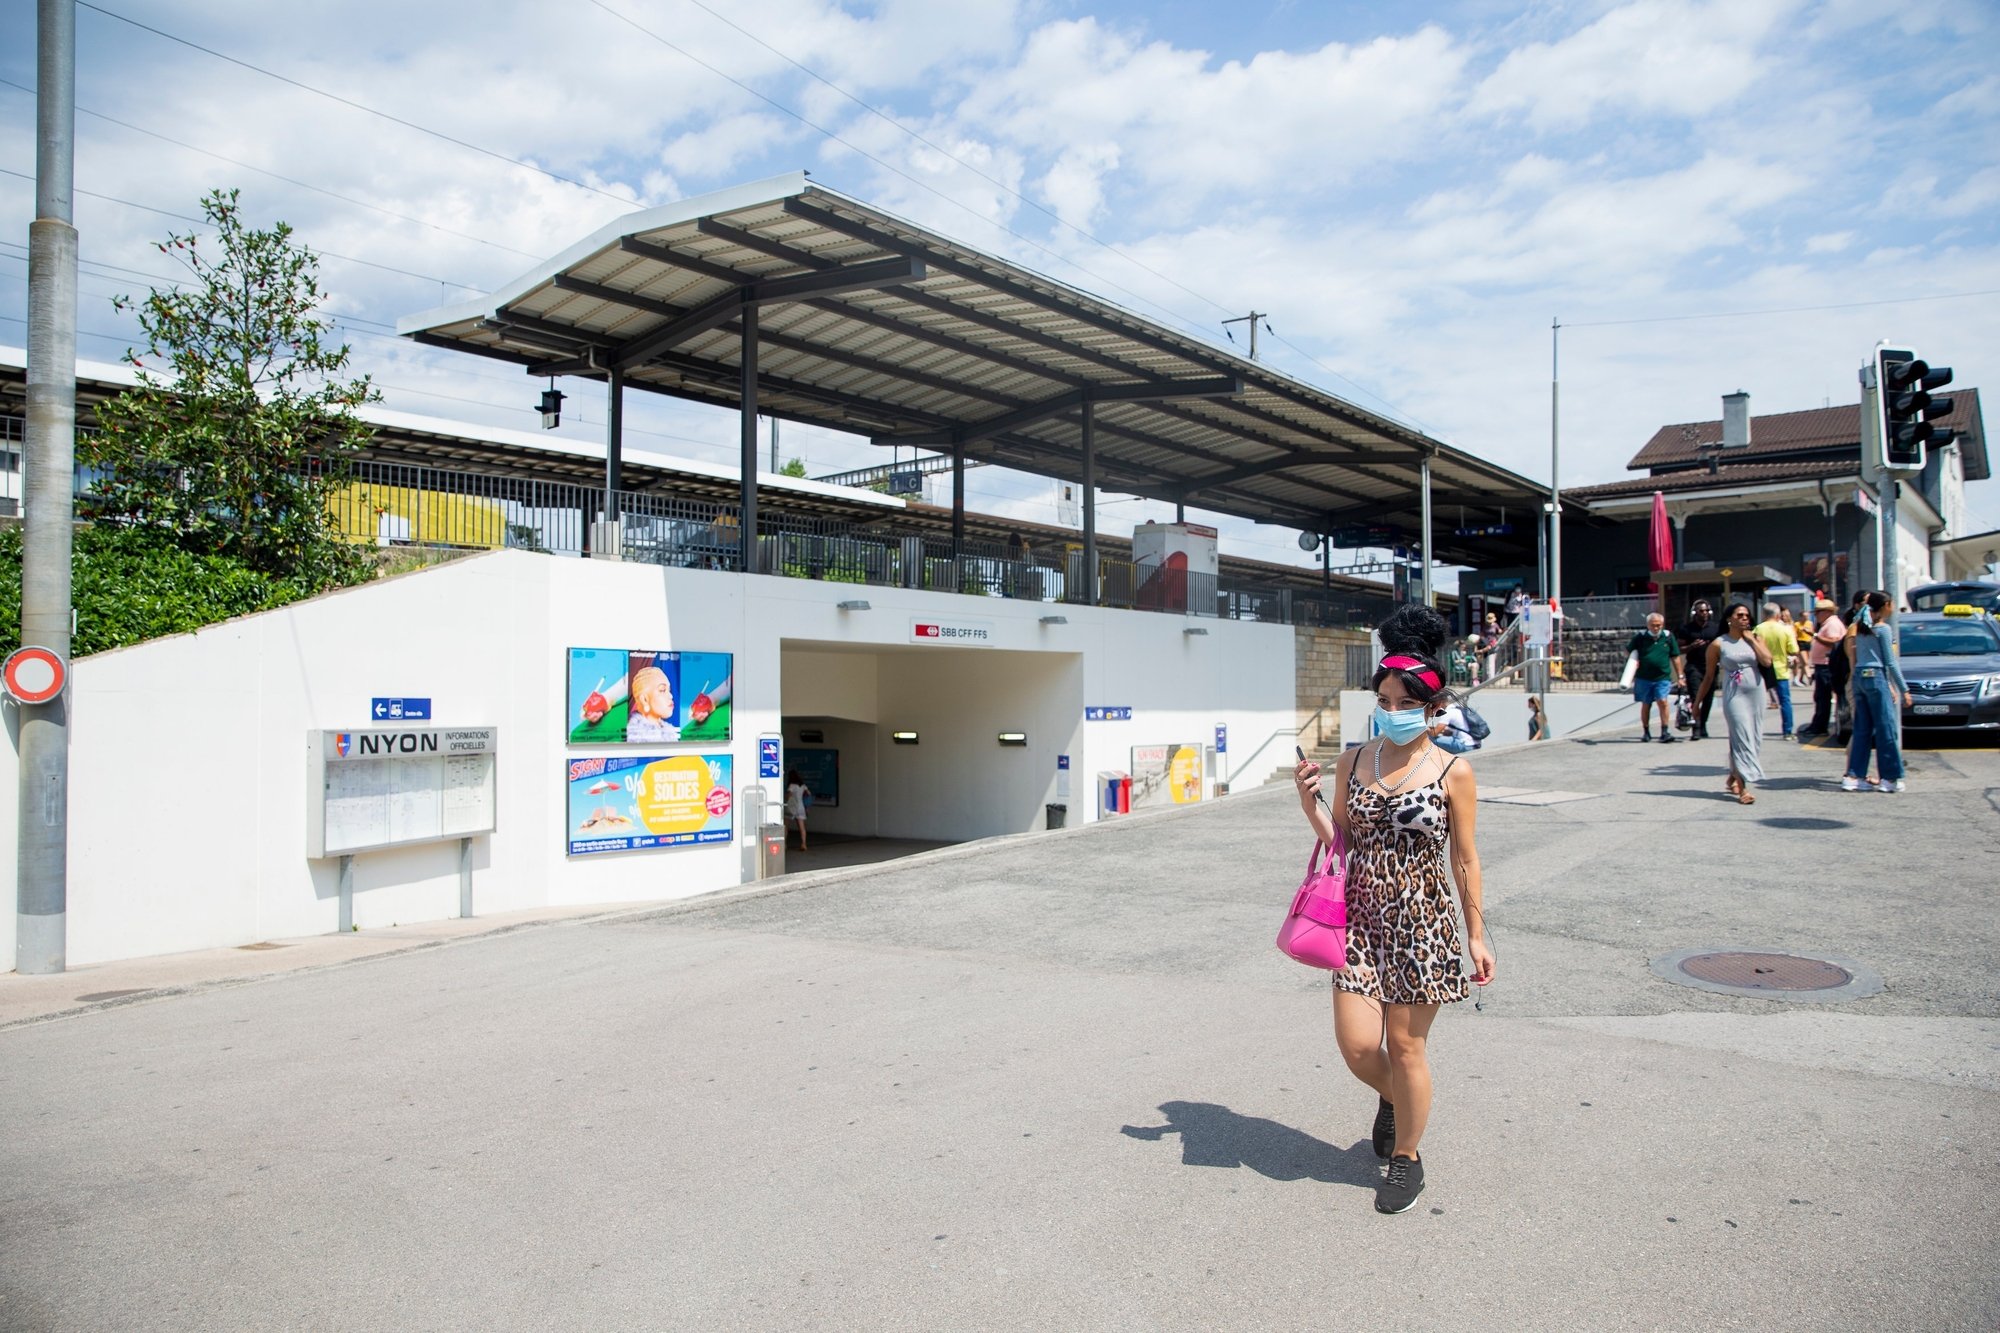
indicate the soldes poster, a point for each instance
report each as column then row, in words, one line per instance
column 634, row 802
column 619, row 695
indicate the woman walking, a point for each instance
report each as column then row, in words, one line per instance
column 797, row 796
column 1879, row 694
column 1401, row 802
column 1739, row 657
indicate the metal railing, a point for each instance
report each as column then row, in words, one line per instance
column 1608, row 612
column 411, row 505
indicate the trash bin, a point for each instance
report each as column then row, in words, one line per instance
column 1056, row 813
column 771, row 850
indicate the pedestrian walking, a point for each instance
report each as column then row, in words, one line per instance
column 1735, row 659
column 1401, row 802
column 1538, row 721
column 797, row 797
column 1489, row 643
column 1782, row 644
column 1829, row 637
column 1878, row 694
column 1699, row 631
column 1659, row 655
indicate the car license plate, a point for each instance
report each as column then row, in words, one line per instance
column 1930, row 710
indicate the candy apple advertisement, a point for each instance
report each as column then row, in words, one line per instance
column 623, row 696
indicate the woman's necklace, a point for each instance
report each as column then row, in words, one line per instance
column 1419, row 763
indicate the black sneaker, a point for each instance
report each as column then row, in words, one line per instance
column 1645, row 735
column 1399, row 1190
column 1385, row 1129
column 1666, row 736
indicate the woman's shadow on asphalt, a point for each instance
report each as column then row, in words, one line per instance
column 1214, row 1135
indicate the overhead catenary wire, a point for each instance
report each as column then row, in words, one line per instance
column 289, row 180
column 626, row 200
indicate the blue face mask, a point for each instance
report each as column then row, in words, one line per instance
column 1403, row 725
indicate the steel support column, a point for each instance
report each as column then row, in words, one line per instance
column 1090, row 500
column 614, row 443
column 747, row 504
column 957, row 496
column 41, row 886
column 1424, row 482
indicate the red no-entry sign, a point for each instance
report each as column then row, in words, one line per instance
column 34, row 675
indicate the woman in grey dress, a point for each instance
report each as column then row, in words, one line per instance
column 1739, row 658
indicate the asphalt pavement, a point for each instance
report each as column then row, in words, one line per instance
column 1064, row 1081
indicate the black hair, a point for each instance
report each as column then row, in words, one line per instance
column 1878, row 602
column 1414, row 630
column 1729, row 612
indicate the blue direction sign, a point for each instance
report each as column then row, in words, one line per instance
column 1108, row 713
column 1221, row 739
column 1489, row 530
column 769, row 760
column 400, row 710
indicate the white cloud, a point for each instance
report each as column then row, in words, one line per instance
column 1660, row 56
column 1829, row 243
column 1074, row 186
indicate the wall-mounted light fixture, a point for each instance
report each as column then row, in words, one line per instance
column 903, row 737
column 812, row 738
column 1194, row 629
column 1055, row 620
column 552, row 401
column 854, row 606
column 1013, row 738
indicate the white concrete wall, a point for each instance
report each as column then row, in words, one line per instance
column 188, row 775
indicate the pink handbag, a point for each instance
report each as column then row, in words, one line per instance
column 1315, row 930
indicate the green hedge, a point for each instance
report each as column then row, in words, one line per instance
column 129, row 586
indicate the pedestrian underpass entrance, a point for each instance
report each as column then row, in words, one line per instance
column 911, row 747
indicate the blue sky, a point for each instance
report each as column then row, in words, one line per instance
column 1412, row 193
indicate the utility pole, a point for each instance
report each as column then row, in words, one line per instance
column 48, row 473
column 774, row 444
column 1253, row 319
column 1555, row 468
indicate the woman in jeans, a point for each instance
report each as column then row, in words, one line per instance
column 1877, row 694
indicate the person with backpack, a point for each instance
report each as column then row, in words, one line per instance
column 1828, row 645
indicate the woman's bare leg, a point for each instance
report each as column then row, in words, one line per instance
column 1408, row 1028
column 1357, row 1029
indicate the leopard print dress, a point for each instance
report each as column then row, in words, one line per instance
column 1402, row 928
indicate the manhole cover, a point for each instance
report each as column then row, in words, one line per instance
column 1768, row 974
column 1766, row 971
column 111, row 994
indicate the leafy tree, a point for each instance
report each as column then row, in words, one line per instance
column 238, row 452
column 795, row 468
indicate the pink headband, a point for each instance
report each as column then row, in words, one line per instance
column 1415, row 666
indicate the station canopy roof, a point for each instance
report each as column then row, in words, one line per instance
column 870, row 324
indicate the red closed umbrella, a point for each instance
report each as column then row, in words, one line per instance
column 1660, row 543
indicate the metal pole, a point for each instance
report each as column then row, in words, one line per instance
column 465, row 877
column 1555, row 468
column 774, row 444
column 957, row 493
column 47, row 475
column 747, row 459
column 1090, row 499
column 1424, row 478
column 1886, row 524
column 614, row 458
column 346, row 894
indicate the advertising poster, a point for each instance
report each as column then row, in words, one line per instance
column 634, row 802
column 618, row 696
column 820, row 769
column 1168, row 774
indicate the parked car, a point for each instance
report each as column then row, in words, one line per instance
column 1951, row 659
column 1937, row 596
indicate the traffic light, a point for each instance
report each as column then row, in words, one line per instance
column 1909, row 411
